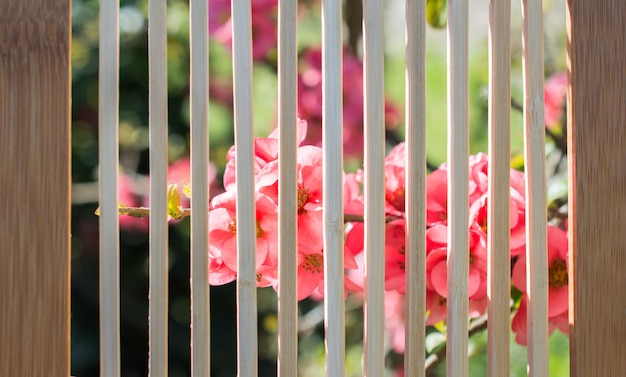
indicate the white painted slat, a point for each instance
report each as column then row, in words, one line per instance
column 498, row 221
column 158, row 301
column 287, row 190
column 334, row 312
column 374, row 188
column 415, row 304
column 458, row 200
column 534, row 157
column 109, row 191
column 246, row 209
column 199, row 269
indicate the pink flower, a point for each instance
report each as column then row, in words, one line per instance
column 517, row 222
column 557, row 285
column 394, row 320
column 394, row 180
column 265, row 151
column 352, row 196
column 309, row 176
column 395, row 260
column 437, row 197
column 436, row 307
column 557, row 272
column 555, row 91
column 519, row 324
column 219, row 273
column 311, row 273
column 437, row 272
column 223, row 230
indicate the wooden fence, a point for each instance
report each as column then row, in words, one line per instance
column 35, row 187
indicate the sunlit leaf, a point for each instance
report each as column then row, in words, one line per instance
column 437, row 13
column 434, row 340
column 174, row 209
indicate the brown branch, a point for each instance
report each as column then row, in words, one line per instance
column 349, row 218
column 141, row 212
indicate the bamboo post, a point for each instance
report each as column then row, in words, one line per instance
column 35, row 188
column 597, row 155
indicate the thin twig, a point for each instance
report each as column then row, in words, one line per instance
column 142, row 212
column 436, row 358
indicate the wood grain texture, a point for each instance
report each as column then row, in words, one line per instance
column 498, row 223
column 35, row 187
column 458, row 189
column 535, row 177
column 109, row 227
column 199, row 93
column 415, row 201
column 374, row 189
column 157, row 118
column 332, row 166
column 287, row 190
column 246, row 204
column 597, row 160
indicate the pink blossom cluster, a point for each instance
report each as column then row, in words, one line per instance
column 264, row 29
column 223, row 223
column 223, row 231
column 310, row 100
column 436, row 248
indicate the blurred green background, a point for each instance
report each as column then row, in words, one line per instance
column 134, row 162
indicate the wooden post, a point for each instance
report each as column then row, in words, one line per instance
column 34, row 187
column 597, row 163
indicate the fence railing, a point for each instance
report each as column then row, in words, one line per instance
column 374, row 217
column 34, row 121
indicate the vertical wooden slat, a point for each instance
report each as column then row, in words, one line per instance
column 246, row 218
column 109, row 161
column 498, row 223
column 35, row 187
column 596, row 158
column 199, row 82
column 458, row 200
column 374, row 187
column 334, row 316
column 534, row 157
column 287, row 190
column 415, row 306
column 158, row 306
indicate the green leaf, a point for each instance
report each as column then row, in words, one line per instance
column 174, row 209
column 434, row 340
column 557, row 188
column 437, row 13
